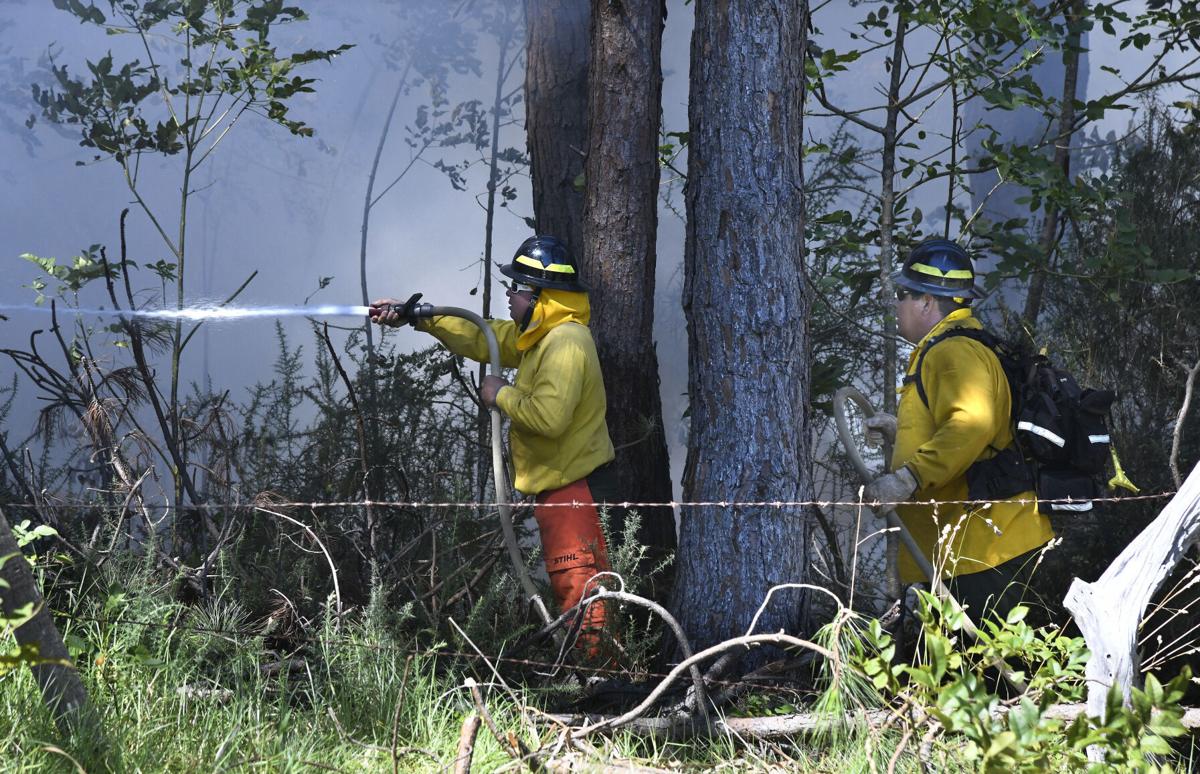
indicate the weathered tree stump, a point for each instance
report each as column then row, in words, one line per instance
column 1109, row 610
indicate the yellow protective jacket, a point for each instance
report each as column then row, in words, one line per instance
column 556, row 403
column 967, row 419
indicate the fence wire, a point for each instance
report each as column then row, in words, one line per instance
column 673, row 504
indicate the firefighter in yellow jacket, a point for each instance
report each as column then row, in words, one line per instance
column 952, row 440
column 556, row 407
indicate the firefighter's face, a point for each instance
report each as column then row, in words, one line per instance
column 912, row 313
column 520, row 298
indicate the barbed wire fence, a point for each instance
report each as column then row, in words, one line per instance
column 481, row 504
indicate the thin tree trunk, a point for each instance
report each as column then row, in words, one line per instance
column 887, row 215
column 556, row 113
column 748, row 371
column 620, row 226
column 1048, row 239
column 887, row 253
column 368, row 203
column 56, row 677
column 483, row 418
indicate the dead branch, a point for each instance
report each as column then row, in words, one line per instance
column 466, row 744
column 337, row 589
column 701, row 696
column 1177, row 434
column 686, row 664
column 798, row 724
column 372, row 524
column 575, row 762
column 511, row 744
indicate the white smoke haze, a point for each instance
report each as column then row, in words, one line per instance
column 291, row 208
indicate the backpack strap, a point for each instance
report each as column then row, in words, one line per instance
column 982, row 336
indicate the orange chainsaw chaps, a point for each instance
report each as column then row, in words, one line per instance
column 573, row 545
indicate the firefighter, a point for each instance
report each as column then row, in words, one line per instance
column 561, row 449
column 952, row 440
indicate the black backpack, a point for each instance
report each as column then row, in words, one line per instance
column 1061, row 442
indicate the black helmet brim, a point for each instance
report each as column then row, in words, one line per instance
column 529, row 278
column 901, row 279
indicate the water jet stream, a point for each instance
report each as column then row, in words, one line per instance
column 201, row 313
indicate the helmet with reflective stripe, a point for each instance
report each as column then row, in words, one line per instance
column 939, row 267
column 544, row 262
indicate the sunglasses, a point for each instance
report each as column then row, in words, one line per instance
column 903, row 293
column 517, row 287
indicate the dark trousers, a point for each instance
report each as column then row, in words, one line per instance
column 997, row 590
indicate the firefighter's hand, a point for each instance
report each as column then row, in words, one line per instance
column 489, row 388
column 881, row 429
column 888, row 489
column 391, row 312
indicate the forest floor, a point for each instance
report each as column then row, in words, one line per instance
column 179, row 699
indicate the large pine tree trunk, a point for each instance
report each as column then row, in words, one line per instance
column 620, row 225
column 748, row 372
column 556, row 97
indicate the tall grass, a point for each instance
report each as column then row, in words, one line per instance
column 183, row 688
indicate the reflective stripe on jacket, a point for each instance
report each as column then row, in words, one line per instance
column 968, row 419
column 556, row 403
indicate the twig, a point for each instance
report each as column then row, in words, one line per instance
column 486, row 660
column 499, row 680
column 512, row 744
column 362, row 438
column 337, row 588
column 124, row 509
column 1177, row 435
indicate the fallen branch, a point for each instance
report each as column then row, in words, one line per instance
column 777, row 726
column 571, row 763
column 466, row 744
column 686, row 664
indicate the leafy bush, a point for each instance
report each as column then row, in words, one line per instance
column 955, row 701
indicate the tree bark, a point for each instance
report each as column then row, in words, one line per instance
column 620, row 225
column 556, row 117
column 61, row 688
column 748, row 370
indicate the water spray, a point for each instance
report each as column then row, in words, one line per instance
column 203, row 312
column 206, row 312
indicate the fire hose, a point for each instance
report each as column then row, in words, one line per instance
column 893, row 520
column 424, row 311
